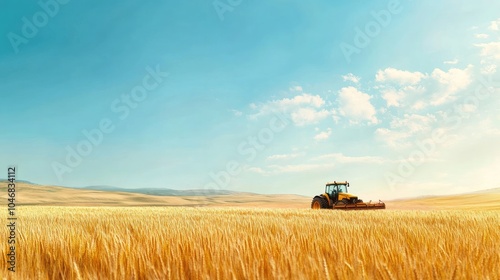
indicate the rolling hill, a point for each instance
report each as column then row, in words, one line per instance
column 32, row 194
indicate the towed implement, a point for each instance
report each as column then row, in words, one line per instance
column 337, row 197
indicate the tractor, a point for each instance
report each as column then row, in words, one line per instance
column 337, row 197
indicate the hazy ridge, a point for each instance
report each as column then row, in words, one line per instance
column 28, row 193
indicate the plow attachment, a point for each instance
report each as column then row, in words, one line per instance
column 360, row 206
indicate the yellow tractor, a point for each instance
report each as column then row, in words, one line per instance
column 337, row 197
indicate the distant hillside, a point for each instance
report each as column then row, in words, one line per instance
column 149, row 191
column 494, row 190
column 162, row 192
column 30, row 194
column 18, row 181
column 480, row 200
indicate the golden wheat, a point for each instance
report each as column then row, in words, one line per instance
column 208, row 243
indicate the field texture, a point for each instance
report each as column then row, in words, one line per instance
column 231, row 243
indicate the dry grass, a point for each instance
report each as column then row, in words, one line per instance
column 211, row 243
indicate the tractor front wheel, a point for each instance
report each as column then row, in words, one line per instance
column 319, row 203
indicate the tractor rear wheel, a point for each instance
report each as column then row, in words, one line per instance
column 319, row 203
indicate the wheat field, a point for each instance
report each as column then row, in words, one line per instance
column 237, row 243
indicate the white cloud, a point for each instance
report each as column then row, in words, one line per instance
column 392, row 97
column 356, row 105
column 482, row 36
column 398, row 76
column 403, row 96
column 324, row 135
column 313, row 100
column 282, row 157
column 392, row 138
column 291, row 168
column 296, row 88
column 299, row 168
column 351, row 77
column 450, row 82
column 305, row 116
column 419, row 105
column 404, row 128
column 488, row 68
column 335, row 116
column 340, row 158
column 491, row 49
column 490, row 53
column 414, row 123
column 495, row 25
column 255, row 170
column 236, row 113
column 303, row 109
column 454, row 61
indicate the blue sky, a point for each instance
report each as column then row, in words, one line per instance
column 398, row 97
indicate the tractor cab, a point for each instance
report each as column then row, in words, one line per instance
column 332, row 191
column 337, row 191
